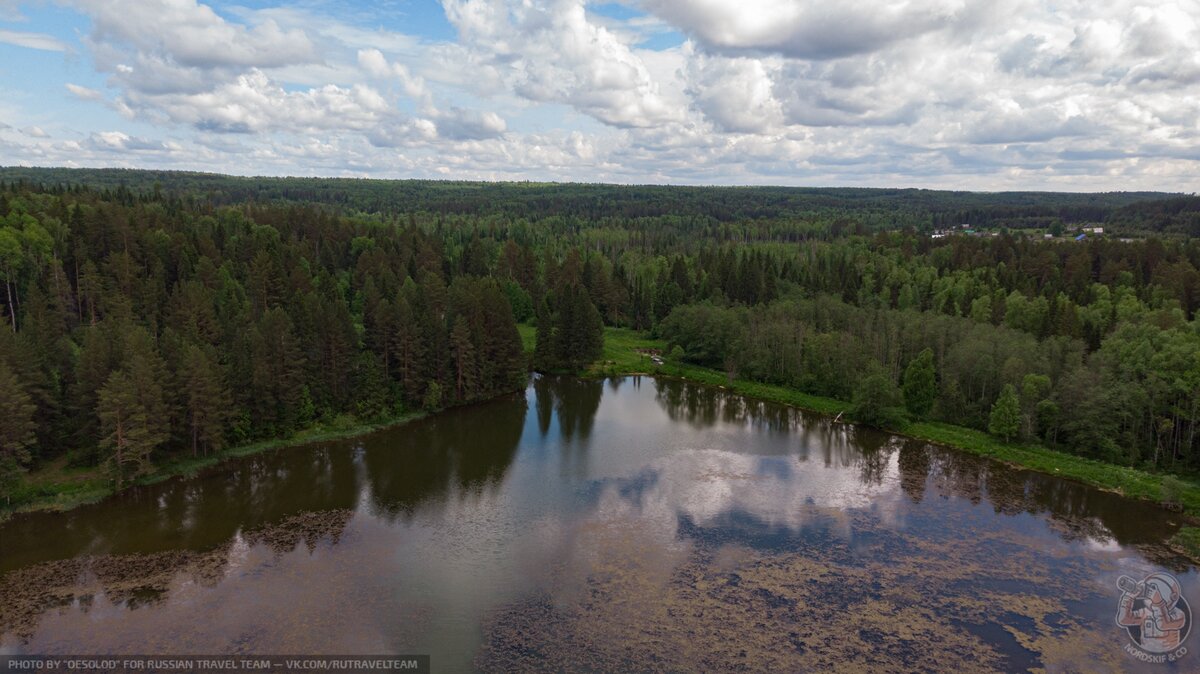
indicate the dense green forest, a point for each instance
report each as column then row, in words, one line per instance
column 768, row 213
column 152, row 315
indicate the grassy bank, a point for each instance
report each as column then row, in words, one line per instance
column 1187, row 541
column 622, row 355
column 57, row 486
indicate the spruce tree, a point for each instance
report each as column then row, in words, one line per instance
column 1005, row 419
column 579, row 329
column 463, row 353
column 16, row 429
column 920, row 385
column 543, row 348
column 208, row 403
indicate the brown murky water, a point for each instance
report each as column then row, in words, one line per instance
column 629, row 524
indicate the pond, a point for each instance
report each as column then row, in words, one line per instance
column 632, row 523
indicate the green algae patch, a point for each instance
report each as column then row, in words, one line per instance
column 913, row 604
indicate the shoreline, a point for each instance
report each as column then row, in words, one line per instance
column 1127, row 482
column 59, row 489
column 624, row 355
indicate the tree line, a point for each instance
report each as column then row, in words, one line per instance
column 152, row 321
column 1135, row 400
column 134, row 332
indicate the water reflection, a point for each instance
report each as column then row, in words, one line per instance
column 463, row 452
column 1079, row 511
column 690, row 497
column 570, row 402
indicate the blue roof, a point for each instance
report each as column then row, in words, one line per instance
column 1081, row 237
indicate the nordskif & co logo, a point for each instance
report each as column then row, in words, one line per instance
column 1156, row 617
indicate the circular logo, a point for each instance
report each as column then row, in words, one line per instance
column 1155, row 615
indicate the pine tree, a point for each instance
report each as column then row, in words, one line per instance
column 147, row 372
column 16, row 429
column 463, row 353
column 1005, row 419
column 208, row 402
column 920, row 385
column 277, row 378
column 125, row 428
column 409, row 349
column 543, row 348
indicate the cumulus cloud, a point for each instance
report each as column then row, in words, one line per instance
column 736, row 94
column 459, row 124
column 377, row 66
column 254, row 103
column 976, row 94
column 116, row 140
column 552, row 52
column 191, row 34
column 802, row 29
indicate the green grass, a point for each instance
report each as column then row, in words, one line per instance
column 1187, row 541
column 528, row 336
column 621, row 357
column 623, row 353
column 1130, row 482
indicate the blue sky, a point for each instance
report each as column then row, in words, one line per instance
column 963, row 94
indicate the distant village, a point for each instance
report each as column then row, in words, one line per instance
column 1075, row 233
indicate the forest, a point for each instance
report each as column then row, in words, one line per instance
column 151, row 315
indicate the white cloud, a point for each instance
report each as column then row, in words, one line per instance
column 459, row 124
column 254, row 103
column 736, row 94
column 376, row 65
column 190, row 34
column 955, row 93
column 552, row 52
column 122, row 142
column 32, row 40
column 35, row 132
column 84, row 93
column 809, row 30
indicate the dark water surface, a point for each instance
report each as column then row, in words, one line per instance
column 631, row 523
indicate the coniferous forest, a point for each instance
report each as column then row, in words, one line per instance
column 150, row 316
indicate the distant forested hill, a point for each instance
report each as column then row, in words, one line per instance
column 874, row 208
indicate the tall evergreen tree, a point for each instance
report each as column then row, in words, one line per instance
column 1005, row 418
column 16, row 429
column 128, row 435
column 920, row 385
column 464, row 360
column 543, row 349
column 208, row 401
column 579, row 329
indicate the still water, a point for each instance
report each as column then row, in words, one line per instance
column 630, row 523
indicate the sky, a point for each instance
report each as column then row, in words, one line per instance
column 954, row 94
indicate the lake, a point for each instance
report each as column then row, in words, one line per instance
column 631, row 523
